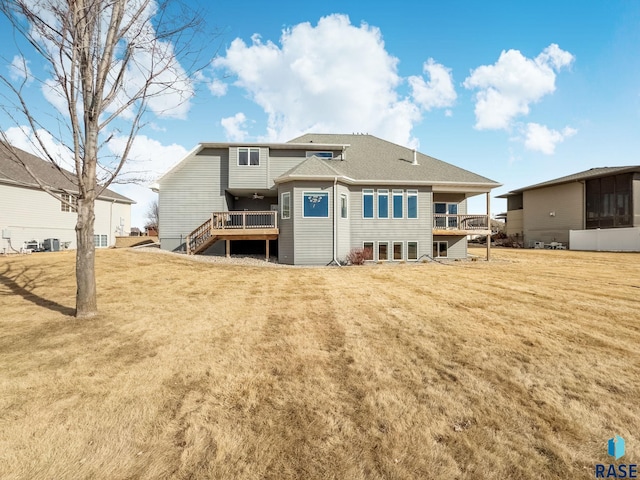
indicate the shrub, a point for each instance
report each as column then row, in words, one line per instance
column 357, row 256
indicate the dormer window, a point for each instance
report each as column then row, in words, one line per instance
column 248, row 156
column 323, row 155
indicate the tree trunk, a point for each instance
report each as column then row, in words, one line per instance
column 86, row 298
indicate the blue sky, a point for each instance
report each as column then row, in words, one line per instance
column 519, row 92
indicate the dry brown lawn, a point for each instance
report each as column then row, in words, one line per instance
column 518, row 368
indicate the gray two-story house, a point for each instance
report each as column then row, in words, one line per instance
column 316, row 198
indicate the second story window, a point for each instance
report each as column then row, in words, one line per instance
column 66, row 200
column 248, row 156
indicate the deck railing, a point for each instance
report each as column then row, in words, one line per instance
column 244, row 220
column 444, row 221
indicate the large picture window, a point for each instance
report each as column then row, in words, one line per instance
column 248, row 156
column 609, row 202
column 367, row 203
column 315, row 204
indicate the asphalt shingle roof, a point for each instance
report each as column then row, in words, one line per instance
column 576, row 177
column 371, row 158
column 12, row 172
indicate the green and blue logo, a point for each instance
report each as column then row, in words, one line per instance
column 615, row 448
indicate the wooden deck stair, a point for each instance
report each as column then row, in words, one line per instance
column 246, row 225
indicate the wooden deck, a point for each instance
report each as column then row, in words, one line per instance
column 460, row 225
column 228, row 226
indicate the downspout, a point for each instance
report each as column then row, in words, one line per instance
column 335, row 221
column 111, row 221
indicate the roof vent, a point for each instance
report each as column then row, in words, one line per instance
column 415, row 157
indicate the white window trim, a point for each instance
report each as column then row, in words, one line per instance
column 383, row 192
column 248, row 156
column 413, row 193
column 373, row 250
column 320, row 154
column 378, row 251
column 72, row 199
column 282, row 197
column 346, row 205
column 393, row 251
column 397, row 193
column 317, row 193
column 417, row 251
column 365, row 192
column 442, row 241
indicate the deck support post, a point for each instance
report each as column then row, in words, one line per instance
column 267, row 249
column 489, row 226
column 228, row 247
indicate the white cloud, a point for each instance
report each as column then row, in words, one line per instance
column 22, row 137
column 148, row 159
column 233, row 127
column 218, row 88
column 507, row 88
column 169, row 91
column 19, row 70
column 438, row 92
column 332, row 78
column 542, row 139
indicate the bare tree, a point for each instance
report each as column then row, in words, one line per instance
column 153, row 216
column 111, row 65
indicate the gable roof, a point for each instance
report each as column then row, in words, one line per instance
column 576, row 177
column 371, row 159
column 13, row 173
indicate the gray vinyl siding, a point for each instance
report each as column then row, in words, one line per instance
column 313, row 244
column 565, row 201
column 344, row 224
column 456, row 248
column 187, row 196
column 281, row 161
column 248, row 176
column 286, row 230
column 392, row 230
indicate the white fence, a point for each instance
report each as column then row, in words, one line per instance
column 606, row 240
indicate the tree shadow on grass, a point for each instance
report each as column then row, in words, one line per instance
column 18, row 282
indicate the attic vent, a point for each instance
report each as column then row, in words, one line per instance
column 323, row 155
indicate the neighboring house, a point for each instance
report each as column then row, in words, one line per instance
column 598, row 209
column 29, row 214
column 320, row 196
